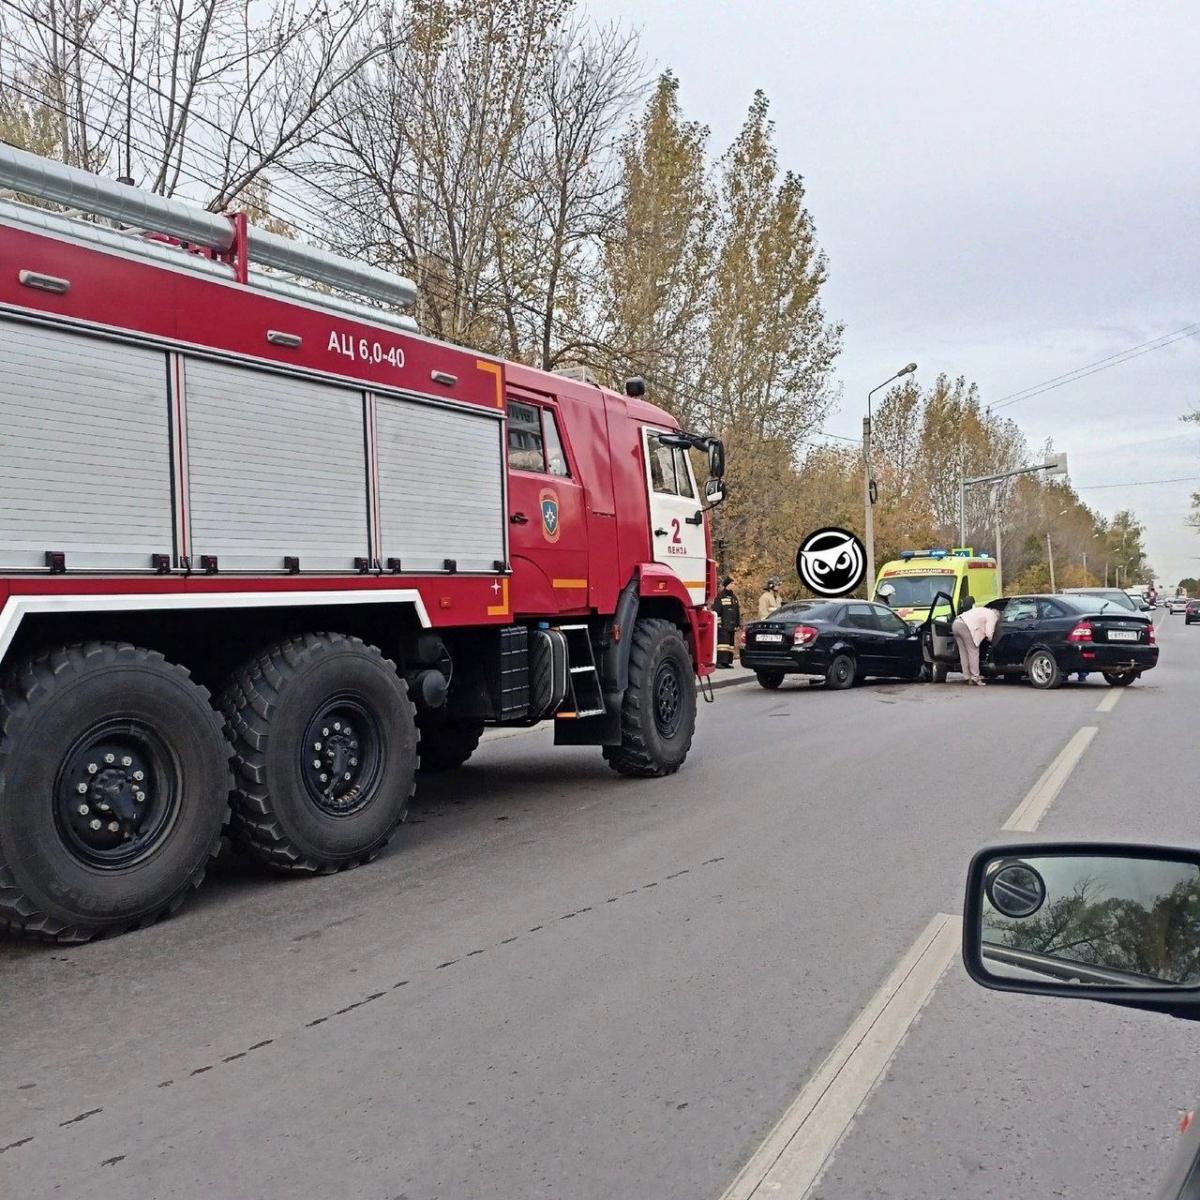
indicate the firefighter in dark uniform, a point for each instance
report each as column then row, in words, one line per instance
column 729, row 617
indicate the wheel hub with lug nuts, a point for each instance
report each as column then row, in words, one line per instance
column 668, row 706
column 112, row 806
column 339, row 755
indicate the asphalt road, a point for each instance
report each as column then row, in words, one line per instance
column 560, row 983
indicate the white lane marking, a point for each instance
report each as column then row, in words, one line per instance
column 1110, row 701
column 1033, row 808
column 795, row 1153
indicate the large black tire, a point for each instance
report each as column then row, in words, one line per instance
column 658, row 712
column 1120, row 678
column 288, row 713
column 840, row 673
column 447, row 744
column 105, row 734
column 769, row 679
column 1043, row 670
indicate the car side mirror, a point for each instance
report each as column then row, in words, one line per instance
column 714, row 492
column 1097, row 921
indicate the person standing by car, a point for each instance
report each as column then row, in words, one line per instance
column 970, row 628
column 729, row 617
column 770, row 600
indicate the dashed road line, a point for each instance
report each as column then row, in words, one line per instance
column 1032, row 809
column 1110, row 701
column 791, row 1160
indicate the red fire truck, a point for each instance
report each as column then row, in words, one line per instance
column 258, row 540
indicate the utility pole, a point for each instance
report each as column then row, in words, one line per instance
column 869, row 483
column 999, row 558
column 1085, row 566
column 868, row 507
column 962, row 510
column 1050, row 556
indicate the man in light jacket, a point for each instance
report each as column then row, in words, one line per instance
column 770, row 600
column 970, row 628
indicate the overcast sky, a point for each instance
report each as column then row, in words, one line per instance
column 1005, row 190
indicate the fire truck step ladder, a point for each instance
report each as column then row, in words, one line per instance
column 585, row 697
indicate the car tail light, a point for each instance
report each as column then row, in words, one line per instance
column 804, row 635
column 1081, row 633
column 1151, row 636
column 741, row 639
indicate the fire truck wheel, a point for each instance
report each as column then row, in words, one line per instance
column 114, row 786
column 658, row 715
column 447, row 744
column 325, row 753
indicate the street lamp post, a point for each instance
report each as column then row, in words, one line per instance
column 1054, row 464
column 869, row 483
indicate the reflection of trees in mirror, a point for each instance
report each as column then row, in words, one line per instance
column 1160, row 940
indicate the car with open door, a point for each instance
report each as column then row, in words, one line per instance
column 1113, row 923
column 1047, row 638
column 840, row 641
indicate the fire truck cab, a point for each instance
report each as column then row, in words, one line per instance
column 265, row 550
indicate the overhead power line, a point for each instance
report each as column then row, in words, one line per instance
column 1091, row 487
column 1093, row 368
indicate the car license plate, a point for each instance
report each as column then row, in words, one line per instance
column 769, row 637
column 1122, row 635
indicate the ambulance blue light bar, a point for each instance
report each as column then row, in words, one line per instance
column 906, row 554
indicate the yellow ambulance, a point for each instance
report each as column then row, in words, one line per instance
column 911, row 583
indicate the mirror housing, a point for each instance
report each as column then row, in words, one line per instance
column 714, row 492
column 1086, row 921
column 716, row 457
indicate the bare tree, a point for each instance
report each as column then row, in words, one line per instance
column 202, row 96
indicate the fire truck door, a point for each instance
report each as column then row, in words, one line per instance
column 676, row 520
column 547, row 523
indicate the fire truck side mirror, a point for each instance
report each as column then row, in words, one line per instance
column 716, row 458
column 635, row 386
column 714, row 492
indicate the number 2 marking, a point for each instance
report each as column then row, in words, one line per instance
column 676, row 540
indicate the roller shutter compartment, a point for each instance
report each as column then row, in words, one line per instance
column 277, row 467
column 441, row 486
column 85, row 463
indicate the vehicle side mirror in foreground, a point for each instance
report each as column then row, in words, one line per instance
column 1096, row 921
column 714, row 492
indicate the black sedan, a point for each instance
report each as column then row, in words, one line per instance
column 839, row 640
column 1192, row 612
column 1048, row 638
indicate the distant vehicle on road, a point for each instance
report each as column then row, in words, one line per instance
column 1177, row 604
column 1191, row 614
column 838, row 640
column 1116, row 596
column 1048, row 638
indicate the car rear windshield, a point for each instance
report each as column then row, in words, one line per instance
column 1114, row 597
column 810, row 610
column 917, row 591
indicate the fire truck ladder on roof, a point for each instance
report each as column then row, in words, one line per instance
column 226, row 237
column 585, row 697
